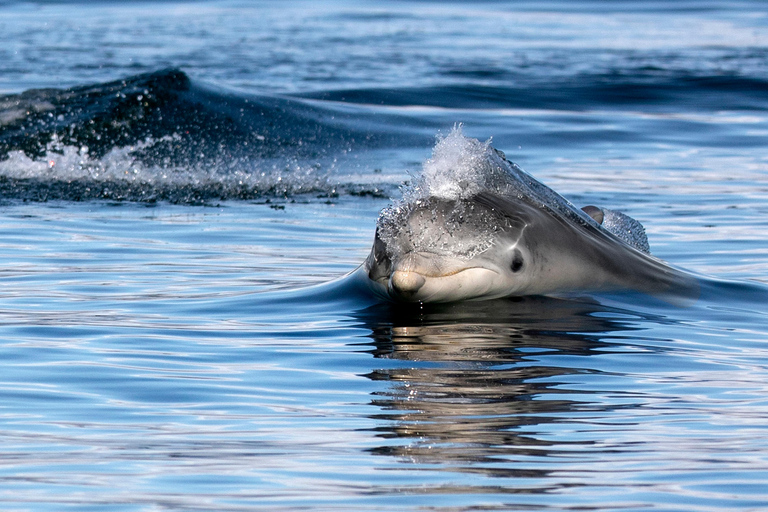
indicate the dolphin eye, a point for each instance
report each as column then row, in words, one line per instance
column 517, row 261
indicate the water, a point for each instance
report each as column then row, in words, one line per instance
column 192, row 175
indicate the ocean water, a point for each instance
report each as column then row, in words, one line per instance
column 183, row 184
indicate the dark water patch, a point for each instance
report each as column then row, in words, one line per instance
column 649, row 91
column 196, row 192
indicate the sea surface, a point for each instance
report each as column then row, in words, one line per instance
column 180, row 181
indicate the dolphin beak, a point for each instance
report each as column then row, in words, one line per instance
column 406, row 284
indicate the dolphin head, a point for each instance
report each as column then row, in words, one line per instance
column 437, row 250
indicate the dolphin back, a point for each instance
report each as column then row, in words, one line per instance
column 618, row 243
column 574, row 255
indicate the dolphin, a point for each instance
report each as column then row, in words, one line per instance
column 475, row 226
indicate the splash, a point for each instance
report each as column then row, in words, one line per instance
column 65, row 172
column 435, row 214
column 460, row 167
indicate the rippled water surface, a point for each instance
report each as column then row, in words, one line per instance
column 182, row 185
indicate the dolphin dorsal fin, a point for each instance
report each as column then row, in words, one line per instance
column 622, row 226
column 594, row 212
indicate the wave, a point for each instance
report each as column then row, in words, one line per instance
column 152, row 106
column 650, row 90
column 161, row 136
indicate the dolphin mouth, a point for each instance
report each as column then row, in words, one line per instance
column 457, row 284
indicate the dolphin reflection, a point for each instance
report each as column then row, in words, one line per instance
column 479, row 386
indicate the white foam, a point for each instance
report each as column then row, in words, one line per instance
column 458, row 168
column 121, row 172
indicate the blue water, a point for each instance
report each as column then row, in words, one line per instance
column 181, row 181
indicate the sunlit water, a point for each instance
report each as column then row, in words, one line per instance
column 168, row 337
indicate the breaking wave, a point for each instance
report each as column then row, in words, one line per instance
column 161, row 137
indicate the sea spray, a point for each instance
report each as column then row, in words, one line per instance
column 460, row 167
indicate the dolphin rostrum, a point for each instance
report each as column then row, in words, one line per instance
column 475, row 226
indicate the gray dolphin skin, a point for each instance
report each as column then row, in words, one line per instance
column 474, row 226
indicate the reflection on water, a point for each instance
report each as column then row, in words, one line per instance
column 477, row 390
